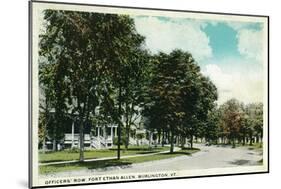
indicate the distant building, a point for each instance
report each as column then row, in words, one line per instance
column 95, row 136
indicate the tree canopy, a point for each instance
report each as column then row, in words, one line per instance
column 95, row 68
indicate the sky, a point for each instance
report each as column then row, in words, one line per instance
column 230, row 53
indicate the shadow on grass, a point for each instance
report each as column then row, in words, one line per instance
column 45, row 169
column 70, row 155
column 104, row 164
column 148, row 152
column 139, row 149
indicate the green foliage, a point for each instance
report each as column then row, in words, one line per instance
column 239, row 121
column 180, row 96
column 211, row 129
column 84, row 59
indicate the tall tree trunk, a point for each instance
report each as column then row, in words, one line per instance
column 44, row 145
column 46, row 124
column 54, row 145
column 54, row 140
column 127, row 136
column 177, row 140
column 172, row 142
column 182, row 141
column 244, row 139
column 119, row 124
column 81, row 141
column 233, row 141
column 257, row 138
column 163, row 138
column 251, row 139
column 159, row 136
column 105, row 135
column 169, row 137
column 149, row 139
column 191, row 141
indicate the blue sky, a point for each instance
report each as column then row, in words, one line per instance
column 228, row 52
column 223, row 40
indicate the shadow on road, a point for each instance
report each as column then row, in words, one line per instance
column 240, row 162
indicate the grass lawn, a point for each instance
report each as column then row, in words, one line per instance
column 68, row 155
column 45, row 169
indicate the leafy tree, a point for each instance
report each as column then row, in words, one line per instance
column 211, row 128
column 232, row 118
column 125, row 68
column 133, row 90
column 94, row 54
column 199, row 102
column 53, row 91
column 254, row 113
column 180, row 95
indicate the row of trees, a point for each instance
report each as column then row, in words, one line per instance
column 238, row 122
column 230, row 123
column 94, row 67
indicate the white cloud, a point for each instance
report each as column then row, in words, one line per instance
column 167, row 35
column 250, row 39
column 239, row 25
column 250, row 43
column 247, row 88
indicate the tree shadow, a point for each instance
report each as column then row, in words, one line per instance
column 251, row 153
column 185, row 148
column 148, row 152
column 224, row 145
column 240, row 162
column 137, row 149
column 96, row 164
column 105, row 164
column 177, row 153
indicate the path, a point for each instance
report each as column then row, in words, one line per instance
column 208, row 157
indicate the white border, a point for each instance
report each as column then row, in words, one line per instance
column 38, row 7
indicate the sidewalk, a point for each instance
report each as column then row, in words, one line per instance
column 108, row 158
